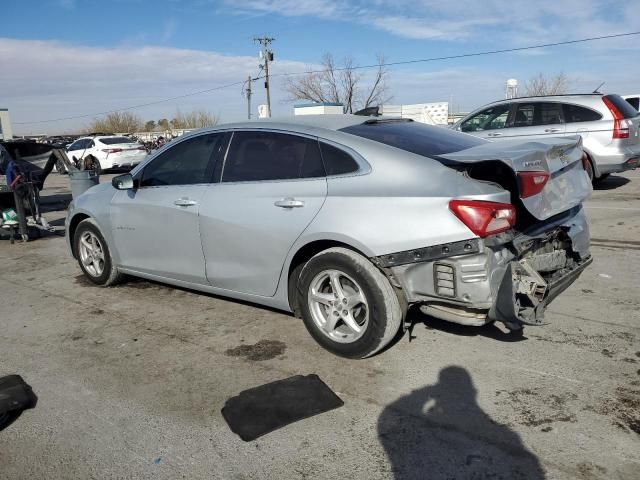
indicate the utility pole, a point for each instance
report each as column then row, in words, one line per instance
column 249, row 97
column 267, row 56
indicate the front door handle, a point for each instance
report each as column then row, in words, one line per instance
column 185, row 202
column 551, row 130
column 289, row 203
column 494, row 134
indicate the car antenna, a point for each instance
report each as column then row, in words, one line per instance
column 598, row 88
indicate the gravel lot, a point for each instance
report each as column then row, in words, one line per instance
column 131, row 379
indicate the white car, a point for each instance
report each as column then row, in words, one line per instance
column 107, row 152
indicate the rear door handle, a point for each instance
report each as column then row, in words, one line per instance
column 494, row 134
column 289, row 203
column 185, row 202
column 551, row 130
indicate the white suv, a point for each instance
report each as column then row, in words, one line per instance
column 107, row 152
column 609, row 126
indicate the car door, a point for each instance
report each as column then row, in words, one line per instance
column 156, row 227
column 272, row 186
column 487, row 123
column 533, row 120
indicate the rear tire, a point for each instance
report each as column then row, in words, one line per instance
column 348, row 305
column 94, row 256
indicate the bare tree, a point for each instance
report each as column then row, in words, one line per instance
column 194, row 119
column 542, row 85
column 340, row 84
column 116, row 122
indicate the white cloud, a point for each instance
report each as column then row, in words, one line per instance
column 50, row 79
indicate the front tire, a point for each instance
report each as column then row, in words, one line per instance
column 93, row 254
column 348, row 305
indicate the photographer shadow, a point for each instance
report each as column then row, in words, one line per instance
column 440, row 432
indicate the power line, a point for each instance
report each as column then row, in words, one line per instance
column 97, row 114
column 466, row 55
column 360, row 67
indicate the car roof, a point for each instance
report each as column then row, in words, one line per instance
column 563, row 97
column 296, row 122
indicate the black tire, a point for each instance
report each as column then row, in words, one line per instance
column 110, row 274
column 384, row 310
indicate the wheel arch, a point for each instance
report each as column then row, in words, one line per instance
column 302, row 255
column 73, row 226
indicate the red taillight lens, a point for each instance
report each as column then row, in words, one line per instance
column 532, row 183
column 484, row 218
column 620, row 127
column 111, row 150
column 585, row 162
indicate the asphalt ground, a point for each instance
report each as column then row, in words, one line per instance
column 131, row 379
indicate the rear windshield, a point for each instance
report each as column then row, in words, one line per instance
column 623, row 106
column 425, row 140
column 116, row 140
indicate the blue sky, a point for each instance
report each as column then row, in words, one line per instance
column 72, row 57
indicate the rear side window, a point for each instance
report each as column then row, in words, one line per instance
column 116, row 140
column 575, row 113
column 336, row 161
column 255, row 156
column 537, row 113
column 550, row 114
column 188, row 162
column 524, row 115
column 414, row 137
column 623, row 106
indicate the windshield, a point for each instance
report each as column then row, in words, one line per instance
column 426, row 140
column 116, row 140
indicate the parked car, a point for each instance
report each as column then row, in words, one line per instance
column 346, row 221
column 607, row 124
column 633, row 100
column 106, row 152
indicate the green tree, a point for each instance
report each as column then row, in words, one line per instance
column 150, row 126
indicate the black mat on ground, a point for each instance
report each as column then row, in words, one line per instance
column 260, row 410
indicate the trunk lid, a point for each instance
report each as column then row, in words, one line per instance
column 501, row 162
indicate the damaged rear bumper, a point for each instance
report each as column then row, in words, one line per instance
column 508, row 278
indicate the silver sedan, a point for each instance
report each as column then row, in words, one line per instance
column 346, row 221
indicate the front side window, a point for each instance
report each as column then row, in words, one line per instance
column 488, row 119
column 188, row 162
column 255, row 156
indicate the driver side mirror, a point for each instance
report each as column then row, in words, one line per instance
column 123, row 182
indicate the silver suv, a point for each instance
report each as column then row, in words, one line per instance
column 607, row 124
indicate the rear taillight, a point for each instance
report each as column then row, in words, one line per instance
column 484, row 218
column 585, row 162
column 532, row 183
column 620, row 125
column 111, row 150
